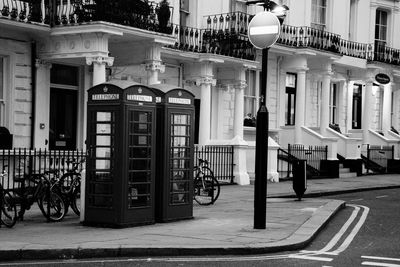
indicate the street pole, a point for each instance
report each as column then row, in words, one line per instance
column 260, row 183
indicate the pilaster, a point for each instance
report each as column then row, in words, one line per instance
column 325, row 96
column 42, row 98
column 153, row 64
column 99, row 68
column 300, row 104
column 367, row 107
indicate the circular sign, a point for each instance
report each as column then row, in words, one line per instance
column 382, row 78
column 264, row 30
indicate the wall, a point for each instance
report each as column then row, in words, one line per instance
column 18, row 89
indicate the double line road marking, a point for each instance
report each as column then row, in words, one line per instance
column 327, row 250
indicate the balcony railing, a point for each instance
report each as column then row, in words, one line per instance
column 308, row 37
column 134, row 13
column 225, row 34
column 212, row 41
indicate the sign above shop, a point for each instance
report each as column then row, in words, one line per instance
column 382, row 78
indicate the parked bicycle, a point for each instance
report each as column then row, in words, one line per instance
column 38, row 188
column 8, row 212
column 206, row 186
column 70, row 185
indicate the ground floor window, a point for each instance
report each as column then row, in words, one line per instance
column 333, row 116
column 290, row 98
column 250, row 98
column 63, row 107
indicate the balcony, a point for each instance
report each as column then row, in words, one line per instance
column 134, row 13
column 225, row 34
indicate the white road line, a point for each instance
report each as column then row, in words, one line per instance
column 355, row 230
column 371, row 263
column 319, row 252
column 357, row 199
column 380, row 258
column 313, row 258
column 382, row 196
column 344, row 228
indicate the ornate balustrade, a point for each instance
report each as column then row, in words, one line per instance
column 225, row 34
column 383, row 53
column 210, row 41
column 135, row 13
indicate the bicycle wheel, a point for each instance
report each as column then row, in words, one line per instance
column 8, row 210
column 57, row 206
column 206, row 190
column 67, row 182
column 75, row 200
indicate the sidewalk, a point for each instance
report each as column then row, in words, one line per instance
column 223, row 228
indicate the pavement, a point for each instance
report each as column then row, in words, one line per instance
column 224, row 228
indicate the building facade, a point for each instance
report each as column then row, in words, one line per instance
column 322, row 85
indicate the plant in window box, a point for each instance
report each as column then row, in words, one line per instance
column 163, row 15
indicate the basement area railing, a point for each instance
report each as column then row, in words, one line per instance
column 220, row 161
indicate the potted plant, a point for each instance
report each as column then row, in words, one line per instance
column 163, row 14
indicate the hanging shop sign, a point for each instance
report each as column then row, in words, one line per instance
column 382, row 78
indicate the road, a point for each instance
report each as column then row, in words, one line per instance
column 365, row 233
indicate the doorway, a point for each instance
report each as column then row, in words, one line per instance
column 63, row 119
column 357, row 107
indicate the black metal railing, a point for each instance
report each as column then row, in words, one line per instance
column 20, row 162
column 377, row 157
column 313, row 154
column 307, row 37
column 135, row 13
column 220, row 161
column 209, row 41
column 383, row 53
column 284, row 164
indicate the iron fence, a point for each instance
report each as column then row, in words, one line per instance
column 220, row 161
column 313, row 154
column 20, row 162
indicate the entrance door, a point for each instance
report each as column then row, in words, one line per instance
column 63, row 119
column 356, row 120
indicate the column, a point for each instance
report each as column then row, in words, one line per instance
column 153, row 64
column 387, row 108
column 240, row 156
column 349, row 114
column 367, row 108
column 325, row 96
column 239, row 103
column 205, row 84
column 42, row 98
column 99, row 68
column 300, row 104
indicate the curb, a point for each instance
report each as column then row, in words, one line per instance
column 337, row 192
column 297, row 240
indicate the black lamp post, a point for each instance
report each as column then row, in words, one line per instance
column 261, row 160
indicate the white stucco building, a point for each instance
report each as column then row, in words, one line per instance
column 321, row 72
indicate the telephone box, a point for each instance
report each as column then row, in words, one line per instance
column 121, row 165
column 175, row 156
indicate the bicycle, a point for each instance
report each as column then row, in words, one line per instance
column 40, row 190
column 206, row 186
column 8, row 212
column 70, row 185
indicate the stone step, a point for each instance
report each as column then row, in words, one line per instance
column 344, row 170
column 348, row 175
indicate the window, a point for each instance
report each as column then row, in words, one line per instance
column 2, row 97
column 380, row 32
column 333, row 104
column 290, row 99
column 250, row 98
column 318, row 14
